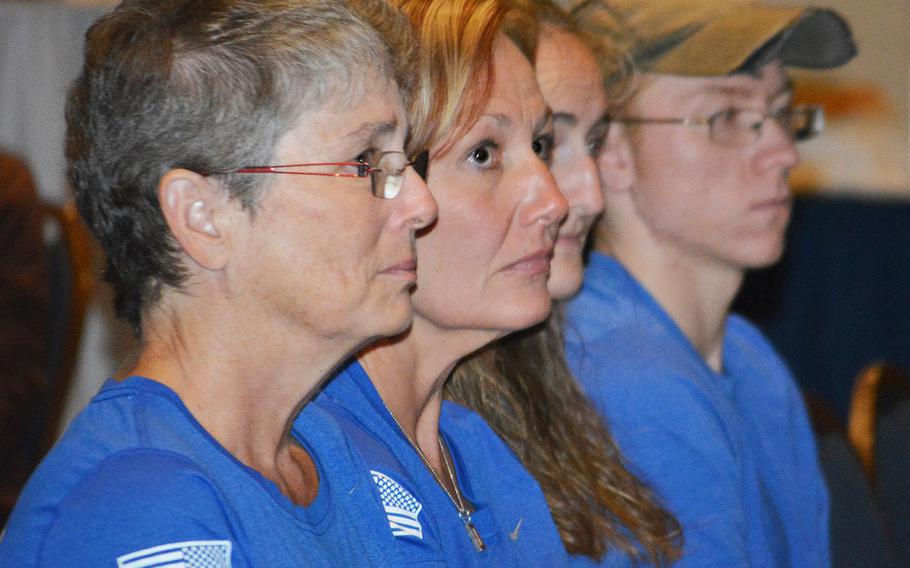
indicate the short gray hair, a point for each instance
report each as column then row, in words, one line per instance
column 206, row 85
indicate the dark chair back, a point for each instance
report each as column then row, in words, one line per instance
column 858, row 535
column 68, row 248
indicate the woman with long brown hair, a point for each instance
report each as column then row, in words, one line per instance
column 521, row 385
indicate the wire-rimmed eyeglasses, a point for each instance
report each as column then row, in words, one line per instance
column 741, row 127
column 386, row 172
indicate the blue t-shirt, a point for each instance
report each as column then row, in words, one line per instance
column 731, row 454
column 136, row 481
column 510, row 511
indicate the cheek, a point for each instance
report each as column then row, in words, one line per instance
column 675, row 175
column 348, row 245
column 457, row 258
column 461, row 242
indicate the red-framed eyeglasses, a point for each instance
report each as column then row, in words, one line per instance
column 386, row 173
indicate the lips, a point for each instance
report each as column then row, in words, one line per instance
column 569, row 239
column 406, row 269
column 573, row 232
column 532, row 264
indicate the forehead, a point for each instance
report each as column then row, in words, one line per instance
column 567, row 70
column 564, row 62
column 514, row 90
column 685, row 92
column 373, row 114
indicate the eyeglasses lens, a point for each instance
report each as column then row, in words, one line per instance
column 806, row 122
column 742, row 127
column 735, row 127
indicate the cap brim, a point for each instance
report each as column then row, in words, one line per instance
column 800, row 37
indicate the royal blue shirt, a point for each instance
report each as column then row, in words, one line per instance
column 731, row 454
column 136, row 481
column 510, row 511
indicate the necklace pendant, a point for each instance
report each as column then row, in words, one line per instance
column 479, row 546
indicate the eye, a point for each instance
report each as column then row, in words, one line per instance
column 543, row 147
column 367, row 156
column 596, row 141
column 484, row 155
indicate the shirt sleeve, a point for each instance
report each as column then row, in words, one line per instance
column 142, row 508
column 671, row 436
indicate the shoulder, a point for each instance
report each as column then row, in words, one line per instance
column 488, row 461
column 142, row 473
column 461, row 423
column 746, row 334
column 759, row 369
column 132, row 500
column 635, row 374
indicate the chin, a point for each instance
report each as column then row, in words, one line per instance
column 528, row 314
column 565, row 278
column 764, row 256
column 391, row 321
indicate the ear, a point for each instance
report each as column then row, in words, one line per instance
column 616, row 161
column 198, row 214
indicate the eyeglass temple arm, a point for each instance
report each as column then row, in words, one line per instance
column 640, row 120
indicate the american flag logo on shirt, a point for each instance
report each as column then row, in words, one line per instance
column 189, row 554
column 401, row 507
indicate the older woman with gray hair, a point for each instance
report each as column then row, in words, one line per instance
column 245, row 287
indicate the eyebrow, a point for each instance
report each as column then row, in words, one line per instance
column 544, row 120
column 500, row 118
column 741, row 93
column 604, row 119
column 372, row 131
column 566, row 118
column 505, row 121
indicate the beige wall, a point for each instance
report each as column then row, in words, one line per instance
column 868, row 150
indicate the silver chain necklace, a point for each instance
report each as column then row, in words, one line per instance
column 456, row 499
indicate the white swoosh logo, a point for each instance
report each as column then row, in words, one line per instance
column 514, row 534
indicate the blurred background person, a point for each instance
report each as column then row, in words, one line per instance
column 695, row 185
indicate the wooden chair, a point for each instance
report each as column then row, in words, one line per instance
column 879, row 429
column 69, row 255
column 878, row 387
column 857, row 529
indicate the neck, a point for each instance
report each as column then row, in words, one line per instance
column 696, row 293
column 409, row 372
column 244, row 384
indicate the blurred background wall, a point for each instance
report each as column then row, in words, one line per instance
column 864, row 154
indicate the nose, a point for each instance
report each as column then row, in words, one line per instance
column 543, row 203
column 777, row 149
column 414, row 203
column 579, row 182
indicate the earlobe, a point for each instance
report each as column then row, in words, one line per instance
column 617, row 162
column 193, row 207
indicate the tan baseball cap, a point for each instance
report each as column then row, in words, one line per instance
column 717, row 37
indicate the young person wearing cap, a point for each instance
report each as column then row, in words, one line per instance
column 695, row 185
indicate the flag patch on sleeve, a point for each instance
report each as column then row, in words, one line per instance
column 189, row 554
column 401, row 507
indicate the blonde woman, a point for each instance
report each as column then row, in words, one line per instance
column 521, row 384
